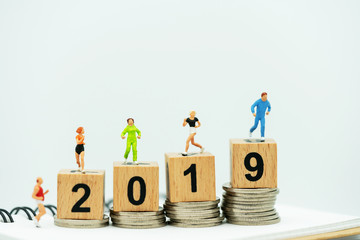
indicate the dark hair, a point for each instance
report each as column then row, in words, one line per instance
column 264, row 93
column 129, row 119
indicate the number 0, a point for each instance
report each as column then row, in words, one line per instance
column 131, row 190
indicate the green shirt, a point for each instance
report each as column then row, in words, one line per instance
column 131, row 131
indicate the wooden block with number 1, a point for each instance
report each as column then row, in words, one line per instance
column 190, row 178
column 136, row 187
column 253, row 164
column 80, row 196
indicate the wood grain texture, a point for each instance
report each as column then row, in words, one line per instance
column 149, row 171
column 178, row 186
column 332, row 235
column 66, row 198
column 239, row 148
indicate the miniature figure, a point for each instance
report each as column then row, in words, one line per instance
column 131, row 130
column 192, row 120
column 79, row 149
column 261, row 105
column 39, row 196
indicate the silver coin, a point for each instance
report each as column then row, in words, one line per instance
column 79, row 223
column 253, row 199
column 252, row 195
column 140, row 226
column 198, row 221
column 254, row 223
column 248, row 202
column 235, row 210
column 202, row 212
column 245, row 207
column 252, row 219
column 183, row 217
column 184, row 225
column 137, row 217
column 227, row 187
column 251, row 214
column 132, row 222
column 190, row 208
column 186, row 204
column 159, row 212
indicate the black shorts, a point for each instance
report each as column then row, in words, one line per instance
column 79, row 148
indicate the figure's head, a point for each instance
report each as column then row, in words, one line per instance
column 80, row 130
column 130, row 121
column 192, row 113
column 264, row 96
column 39, row 180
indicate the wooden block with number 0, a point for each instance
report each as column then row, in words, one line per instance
column 190, row 178
column 253, row 164
column 136, row 187
column 80, row 196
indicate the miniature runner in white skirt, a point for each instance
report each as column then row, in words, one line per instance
column 192, row 120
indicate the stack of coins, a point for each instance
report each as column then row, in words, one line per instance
column 194, row 214
column 245, row 206
column 78, row 223
column 138, row 219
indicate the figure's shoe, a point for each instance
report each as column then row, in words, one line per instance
column 184, row 153
column 82, row 171
column 125, row 161
column 136, row 162
column 262, row 139
column 250, row 134
column 36, row 222
column 202, row 150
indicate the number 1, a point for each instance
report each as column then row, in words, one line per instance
column 192, row 171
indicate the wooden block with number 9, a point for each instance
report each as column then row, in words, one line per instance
column 80, row 196
column 136, row 187
column 190, row 178
column 253, row 164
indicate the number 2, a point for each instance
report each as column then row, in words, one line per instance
column 192, row 171
column 77, row 207
column 259, row 166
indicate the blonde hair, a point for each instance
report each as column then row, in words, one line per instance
column 192, row 111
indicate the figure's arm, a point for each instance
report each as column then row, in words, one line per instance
column 269, row 109
column 253, row 108
column 198, row 124
column 138, row 132
column 185, row 122
column 124, row 132
column 46, row 192
column 36, row 190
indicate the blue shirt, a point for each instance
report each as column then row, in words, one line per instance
column 261, row 107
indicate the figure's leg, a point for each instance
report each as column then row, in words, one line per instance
column 262, row 127
column 42, row 211
column 193, row 141
column 82, row 160
column 255, row 125
column 77, row 159
column 134, row 150
column 187, row 143
column 127, row 151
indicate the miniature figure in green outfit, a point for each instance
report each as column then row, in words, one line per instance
column 131, row 130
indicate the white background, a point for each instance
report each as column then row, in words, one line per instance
column 66, row 64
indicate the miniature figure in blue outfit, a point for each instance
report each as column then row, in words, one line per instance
column 261, row 105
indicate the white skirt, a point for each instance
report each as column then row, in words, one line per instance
column 192, row 130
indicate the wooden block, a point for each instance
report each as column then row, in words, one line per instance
column 190, row 178
column 80, row 196
column 253, row 164
column 136, row 187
